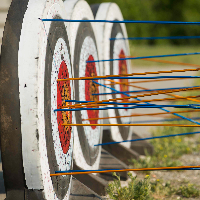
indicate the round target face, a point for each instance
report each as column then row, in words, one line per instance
column 34, row 142
column 86, row 50
column 114, row 49
column 59, row 137
column 118, row 50
column 84, row 47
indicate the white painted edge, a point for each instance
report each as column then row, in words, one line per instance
column 28, row 74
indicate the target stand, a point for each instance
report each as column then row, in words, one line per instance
column 115, row 49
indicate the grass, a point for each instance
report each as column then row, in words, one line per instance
column 188, row 191
column 136, row 189
column 149, row 190
column 136, row 50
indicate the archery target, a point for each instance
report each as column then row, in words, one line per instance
column 114, row 49
column 30, row 93
column 84, row 47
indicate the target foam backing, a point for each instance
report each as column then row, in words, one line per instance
column 33, row 141
column 114, row 49
column 84, row 47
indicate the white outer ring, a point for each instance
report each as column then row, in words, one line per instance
column 35, row 161
column 80, row 10
column 110, row 11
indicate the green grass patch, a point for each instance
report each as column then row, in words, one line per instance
column 188, row 191
column 136, row 189
column 149, row 190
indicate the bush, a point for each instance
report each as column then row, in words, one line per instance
column 147, row 189
column 189, row 190
column 137, row 190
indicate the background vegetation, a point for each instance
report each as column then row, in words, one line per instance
column 161, row 10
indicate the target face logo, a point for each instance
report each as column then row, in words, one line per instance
column 90, row 89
